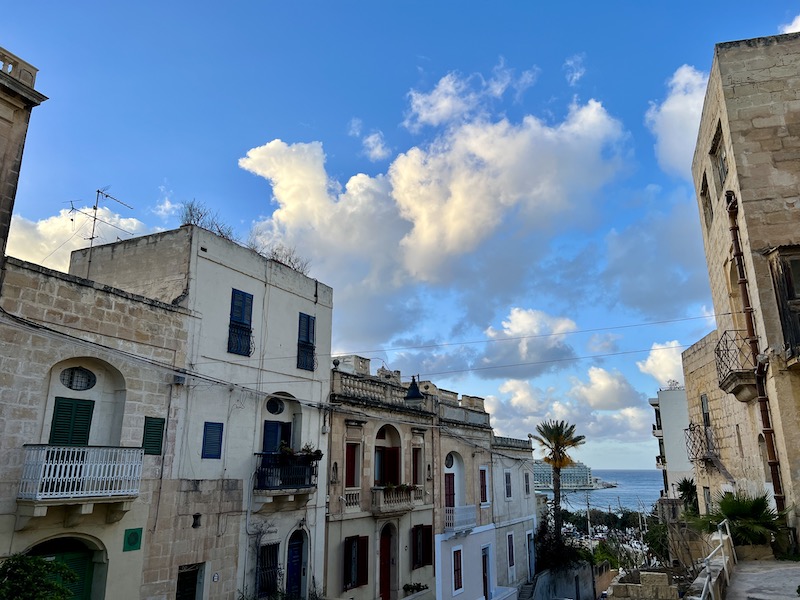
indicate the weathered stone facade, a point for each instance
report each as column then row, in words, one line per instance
column 17, row 98
column 746, row 171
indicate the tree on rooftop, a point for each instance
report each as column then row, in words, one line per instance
column 557, row 438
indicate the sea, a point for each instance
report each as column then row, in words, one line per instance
column 636, row 490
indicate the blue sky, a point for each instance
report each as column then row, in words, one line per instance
column 499, row 193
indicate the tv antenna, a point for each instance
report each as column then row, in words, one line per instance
column 101, row 193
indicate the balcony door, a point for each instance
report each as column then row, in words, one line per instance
column 72, row 421
column 450, row 489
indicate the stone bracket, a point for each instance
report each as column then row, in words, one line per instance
column 117, row 510
column 74, row 514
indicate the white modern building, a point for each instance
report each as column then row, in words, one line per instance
column 671, row 421
column 576, row 476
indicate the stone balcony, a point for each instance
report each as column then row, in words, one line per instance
column 393, row 500
column 460, row 518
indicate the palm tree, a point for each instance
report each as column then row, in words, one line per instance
column 687, row 492
column 556, row 438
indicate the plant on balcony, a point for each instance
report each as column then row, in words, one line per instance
column 309, row 450
column 413, row 588
column 25, row 577
column 400, row 487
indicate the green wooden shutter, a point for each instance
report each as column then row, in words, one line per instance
column 81, row 563
column 72, row 421
column 153, row 437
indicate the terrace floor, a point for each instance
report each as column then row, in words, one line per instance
column 764, row 580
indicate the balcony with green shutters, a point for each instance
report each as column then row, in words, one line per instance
column 68, row 472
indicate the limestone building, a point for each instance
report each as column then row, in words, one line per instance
column 162, row 420
column 424, row 502
column 743, row 379
column 17, row 99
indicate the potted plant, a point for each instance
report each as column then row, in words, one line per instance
column 413, row 588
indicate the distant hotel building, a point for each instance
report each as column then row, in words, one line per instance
column 576, row 476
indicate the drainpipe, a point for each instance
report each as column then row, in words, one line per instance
column 761, row 366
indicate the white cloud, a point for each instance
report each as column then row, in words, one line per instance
column 167, row 208
column 603, row 342
column 354, row 127
column 483, row 173
column 50, row 241
column 530, row 343
column 605, row 390
column 456, row 98
column 481, row 193
column 676, row 120
column 574, row 69
column 792, row 27
column 664, row 362
column 375, row 147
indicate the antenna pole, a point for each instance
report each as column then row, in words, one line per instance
column 98, row 194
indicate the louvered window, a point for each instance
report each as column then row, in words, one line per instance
column 72, row 421
column 240, row 331
column 356, row 562
column 305, row 342
column 153, row 437
column 212, row 440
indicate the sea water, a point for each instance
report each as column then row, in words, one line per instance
column 636, row 490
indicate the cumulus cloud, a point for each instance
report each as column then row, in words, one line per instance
column 530, row 343
column 664, row 362
column 50, row 241
column 792, row 27
column 487, row 173
column 478, row 194
column 676, row 120
column 457, row 98
column 574, row 69
column 605, row 390
column 375, row 147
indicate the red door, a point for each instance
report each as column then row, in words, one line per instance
column 386, row 564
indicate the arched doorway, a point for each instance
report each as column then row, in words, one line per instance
column 387, row 561
column 79, row 557
column 296, row 566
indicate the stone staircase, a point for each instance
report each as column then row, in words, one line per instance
column 525, row 592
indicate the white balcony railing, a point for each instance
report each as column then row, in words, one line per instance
column 458, row 518
column 52, row 472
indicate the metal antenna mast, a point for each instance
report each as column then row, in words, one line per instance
column 101, row 193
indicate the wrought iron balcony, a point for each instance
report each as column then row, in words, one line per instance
column 657, row 431
column 64, row 472
column 460, row 518
column 661, row 462
column 281, row 472
column 389, row 500
column 735, row 368
column 700, row 443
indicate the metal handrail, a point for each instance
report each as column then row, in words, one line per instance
column 708, row 591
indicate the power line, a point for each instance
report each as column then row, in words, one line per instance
column 489, row 341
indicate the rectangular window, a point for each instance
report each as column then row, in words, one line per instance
column 510, row 539
column 356, row 562
column 240, row 327
column 458, row 582
column 72, row 420
column 352, row 465
column 153, row 437
column 507, row 476
column 484, row 482
column 268, row 571
column 305, row 342
column 527, row 483
column 416, row 466
column 212, row 440
column 705, row 199
column 719, row 157
column 421, row 546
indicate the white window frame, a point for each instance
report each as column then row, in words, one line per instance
column 488, row 502
column 527, row 476
column 453, row 551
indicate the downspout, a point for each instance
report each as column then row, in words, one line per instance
column 761, row 366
